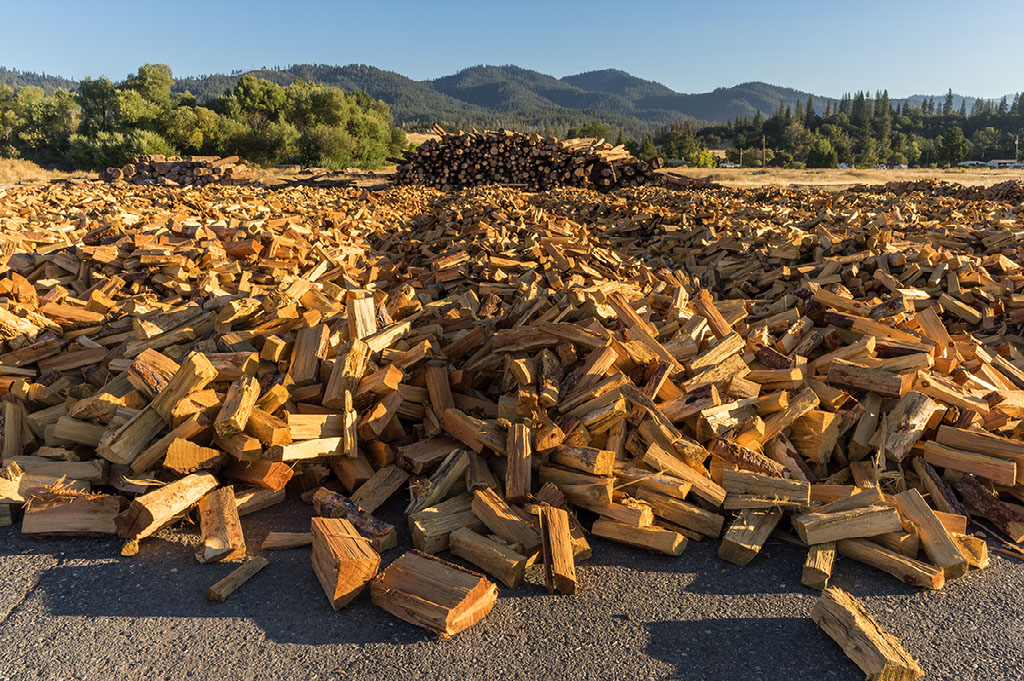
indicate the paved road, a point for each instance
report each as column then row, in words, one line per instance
column 74, row 609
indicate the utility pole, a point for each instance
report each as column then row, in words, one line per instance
column 764, row 153
column 741, row 156
column 1016, row 147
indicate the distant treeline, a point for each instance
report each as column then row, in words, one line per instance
column 864, row 131
column 104, row 124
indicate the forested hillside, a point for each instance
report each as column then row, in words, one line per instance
column 104, row 124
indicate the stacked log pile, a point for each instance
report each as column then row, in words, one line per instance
column 529, row 161
column 176, row 171
column 651, row 367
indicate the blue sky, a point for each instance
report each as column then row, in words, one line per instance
column 823, row 47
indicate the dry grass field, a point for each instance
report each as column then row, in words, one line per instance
column 838, row 179
column 18, row 170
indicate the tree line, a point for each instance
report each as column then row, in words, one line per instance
column 104, row 123
column 864, row 131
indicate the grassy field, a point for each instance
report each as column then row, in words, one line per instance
column 756, row 177
column 17, row 170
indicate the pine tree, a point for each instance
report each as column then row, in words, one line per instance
column 809, row 115
column 954, row 146
column 962, row 113
column 947, row 106
column 647, row 151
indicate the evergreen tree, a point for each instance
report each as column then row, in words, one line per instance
column 822, row 155
column 947, row 106
column 647, row 151
column 962, row 113
column 809, row 116
column 954, row 146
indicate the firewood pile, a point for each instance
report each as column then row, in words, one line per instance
column 1010, row 191
column 176, row 171
column 528, row 161
column 840, row 370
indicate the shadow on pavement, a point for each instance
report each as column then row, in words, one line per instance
column 737, row 648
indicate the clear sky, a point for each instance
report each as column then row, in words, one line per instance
column 825, row 47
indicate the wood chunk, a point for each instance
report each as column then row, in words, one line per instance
column 450, row 472
column 559, row 566
column 855, row 377
column 305, row 450
column 518, row 469
column 378, row 489
column 653, row 538
column 270, row 475
column 256, row 499
column 70, row 514
column 311, row 346
column 431, row 528
column 752, row 490
column 362, row 318
column 352, row 471
column 660, row 460
column 343, row 560
column 877, row 652
column 684, row 514
column 505, row 522
column 286, row 540
column 195, row 373
column 804, row 402
column 220, row 527
column 133, row 438
column 907, row 570
column 586, row 459
column 436, row 376
column 905, row 424
column 977, row 496
column 704, row 305
column 942, row 551
column 238, row 405
column 330, row 504
column 268, row 429
column 157, row 509
column 985, row 443
column 819, row 528
column 748, row 533
column 818, row 565
column 999, row 471
column 433, row 594
column 184, row 456
column 494, row 558
column 746, row 459
column 221, row 590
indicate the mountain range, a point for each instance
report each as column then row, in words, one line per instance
column 510, row 96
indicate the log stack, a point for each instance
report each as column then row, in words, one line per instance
column 529, row 161
column 176, row 171
column 841, row 369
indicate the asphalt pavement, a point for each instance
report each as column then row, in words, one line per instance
column 73, row 608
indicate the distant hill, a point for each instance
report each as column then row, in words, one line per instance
column 19, row 79
column 511, row 96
